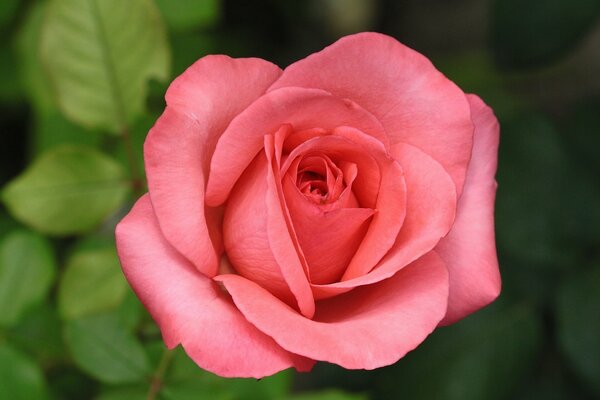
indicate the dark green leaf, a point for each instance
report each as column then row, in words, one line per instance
column 579, row 325
column 51, row 129
column 7, row 11
column 484, row 357
column 10, row 88
column 183, row 15
column 20, row 378
column 104, row 348
column 327, row 395
column 40, row 333
column 534, row 32
column 530, row 211
column 92, row 282
column 100, row 56
column 27, row 271
column 125, row 393
column 69, row 189
column 30, row 68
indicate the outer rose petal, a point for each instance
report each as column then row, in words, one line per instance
column 370, row 327
column 200, row 104
column 190, row 308
column 415, row 103
column 469, row 250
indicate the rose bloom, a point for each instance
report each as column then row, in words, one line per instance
column 339, row 210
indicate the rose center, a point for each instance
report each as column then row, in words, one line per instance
column 319, row 179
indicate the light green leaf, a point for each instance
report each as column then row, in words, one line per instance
column 104, row 348
column 92, row 282
column 183, row 15
column 20, row 378
column 100, row 55
column 579, row 325
column 69, row 189
column 26, row 273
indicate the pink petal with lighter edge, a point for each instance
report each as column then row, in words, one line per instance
column 200, row 104
column 469, row 250
column 370, row 327
column 245, row 232
column 301, row 108
column 430, row 211
column 281, row 233
column 190, row 308
column 415, row 103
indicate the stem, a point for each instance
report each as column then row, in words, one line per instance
column 156, row 381
column 136, row 178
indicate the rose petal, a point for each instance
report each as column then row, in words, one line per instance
column 415, row 103
column 430, row 210
column 245, row 232
column 200, row 104
column 469, row 249
column 282, row 236
column 302, row 108
column 328, row 239
column 370, row 327
column 190, row 308
column 391, row 207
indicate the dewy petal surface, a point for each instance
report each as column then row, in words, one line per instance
column 370, row 327
column 190, row 308
column 469, row 250
column 414, row 102
column 200, row 104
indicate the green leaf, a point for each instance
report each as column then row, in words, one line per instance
column 331, row 394
column 534, row 32
column 52, row 129
column 67, row 190
column 125, row 393
column 131, row 310
column 485, row 356
column 20, row 378
column 181, row 15
column 26, row 273
column 185, row 380
column 579, row 325
column 100, row 56
column 104, row 348
column 531, row 197
column 7, row 11
column 10, row 88
column 30, row 68
column 40, row 333
column 92, row 282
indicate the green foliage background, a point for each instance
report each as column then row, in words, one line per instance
column 82, row 81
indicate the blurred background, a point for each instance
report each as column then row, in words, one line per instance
column 71, row 134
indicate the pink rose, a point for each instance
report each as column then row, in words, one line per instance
column 339, row 210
